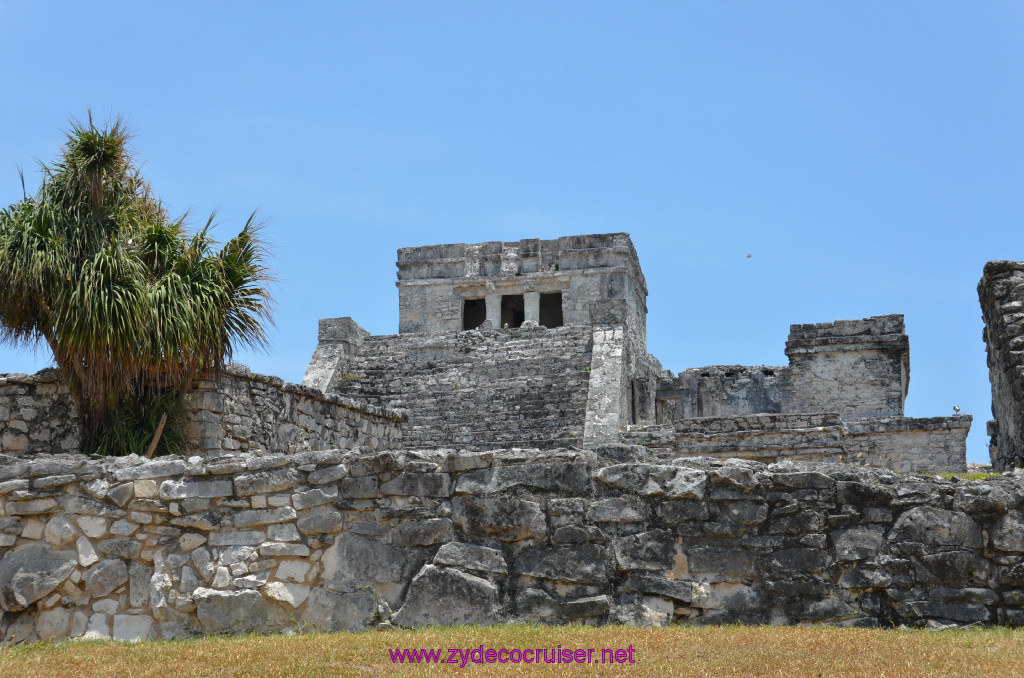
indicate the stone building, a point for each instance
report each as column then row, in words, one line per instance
column 514, row 454
column 543, row 343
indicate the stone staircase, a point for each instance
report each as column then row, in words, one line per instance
column 477, row 390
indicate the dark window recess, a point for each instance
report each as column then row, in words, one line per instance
column 474, row 313
column 551, row 309
column 513, row 312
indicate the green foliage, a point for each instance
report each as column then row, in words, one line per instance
column 133, row 305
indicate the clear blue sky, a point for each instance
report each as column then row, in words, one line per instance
column 868, row 155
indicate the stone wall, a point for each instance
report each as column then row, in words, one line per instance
column 1001, row 292
column 244, row 411
column 909, row 444
column 903, row 444
column 858, row 368
column 479, row 388
column 253, row 412
column 718, row 391
column 129, row 548
column 761, row 437
column 36, row 415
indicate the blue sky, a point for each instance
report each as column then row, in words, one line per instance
column 869, row 156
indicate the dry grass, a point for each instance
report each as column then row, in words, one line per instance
column 723, row 652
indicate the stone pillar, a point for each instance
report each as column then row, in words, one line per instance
column 493, row 301
column 339, row 340
column 531, row 305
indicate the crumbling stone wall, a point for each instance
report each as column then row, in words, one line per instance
column 858, row 368
column 253, row 412
column 718, row 391
column 243, row 411
column 477, row 389
column 129, row 548
column 36, row 414
column 1001, row 292
column 903, row 444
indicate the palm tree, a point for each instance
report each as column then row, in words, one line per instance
column 133, row 306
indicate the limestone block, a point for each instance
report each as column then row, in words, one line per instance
column 293, row 570
column 572, row 478
column 257, row 517
column 504, row 519
column 266, row 482
column 119, row 547
column 315, row 497
column 59, row 531
column 282, row 532
column 86, row 553
column 422, row 532
column 858, row 542
column 577, row 563
column 320, row 523
column 471, row 557
column 935, row 526
column 195, row 489
column 53, row 624
column 286, row 592
column 534, row 605
column 105, row 576
column 653, row 550
column 133, row 627
column 92, row 526
column 442, row 595
column 139, row 577
column 418, row 485
column 30, row 572
column 1008, row 534
column 328, row 610
column 189, row 541
column 354, row 561
column 229, row 611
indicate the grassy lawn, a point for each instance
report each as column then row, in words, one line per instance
column 725, row 651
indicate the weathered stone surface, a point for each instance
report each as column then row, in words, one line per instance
column 30, row 572
column 443, row 593
column 534, row 605
column 858, row 542
column 471, row 557
column 504, row 519
column 354, row 562
column 654, row 550
column 229, row 611
column 578, row 564
column 1008, row 534
column 190, row 489
column 287, row 592
column 935, row 526
column 266, row 482
column 423, row 532
column 105, row 576
column 418, row 485
column 133, row 627
column 570, row 477
column 328, row 610
column 320, row 523
column 245, row 519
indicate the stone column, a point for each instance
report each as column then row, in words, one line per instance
column 493, row 301
column 531, row 305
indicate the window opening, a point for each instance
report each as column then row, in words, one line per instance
column 551, row 309
column 474, row 313
column 513, row 311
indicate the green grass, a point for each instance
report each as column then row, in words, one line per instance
column 695, row 652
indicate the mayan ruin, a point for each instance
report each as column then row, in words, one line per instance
column 514, row 453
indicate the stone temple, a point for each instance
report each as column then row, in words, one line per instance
column 543, row 343
column 514, row 454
